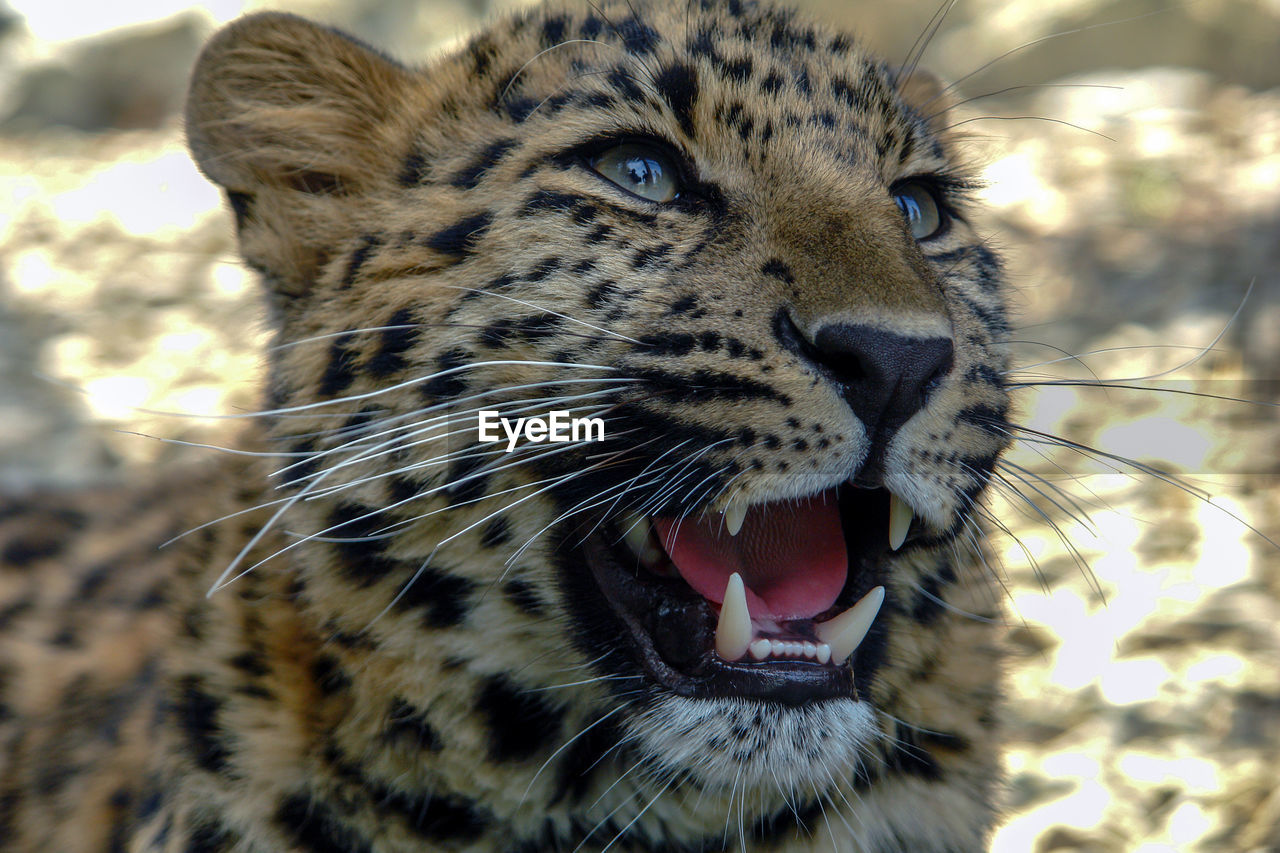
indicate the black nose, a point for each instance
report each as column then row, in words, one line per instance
column 884, row 377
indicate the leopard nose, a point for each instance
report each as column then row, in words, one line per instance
column 884, row 377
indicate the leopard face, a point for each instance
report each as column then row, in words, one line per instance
column 746, row 248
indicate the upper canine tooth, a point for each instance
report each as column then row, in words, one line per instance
column 637, row 532
column 845, row 632
column 734, row 514
column 733, row 632
column 899, row 521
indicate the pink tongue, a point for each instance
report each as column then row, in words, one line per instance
column 791, row 556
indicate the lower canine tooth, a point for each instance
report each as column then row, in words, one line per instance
column 899, row 521
column 845, row 632
column 733, row 631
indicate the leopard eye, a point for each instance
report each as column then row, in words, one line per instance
column 920, row 208
column 641, row 169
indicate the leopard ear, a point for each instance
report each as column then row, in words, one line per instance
column 925, row 93
column 295, row 122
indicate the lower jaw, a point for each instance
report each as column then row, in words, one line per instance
column 667, row 630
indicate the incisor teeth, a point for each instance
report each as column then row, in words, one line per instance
column 845, row 632
column 637, row 532
column 899, row 521
column 761, row 649
column 733, row 632
column 734, row 514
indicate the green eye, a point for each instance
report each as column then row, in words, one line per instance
column 920, row 209
column 643, row 170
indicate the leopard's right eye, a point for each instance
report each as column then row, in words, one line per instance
column 642, row 170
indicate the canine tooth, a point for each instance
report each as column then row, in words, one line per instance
column 760, row 649
column 845, row 632
column 823, row 653
column 733, row 632
column 637, row 532
column 900, row 515
column 734, row 514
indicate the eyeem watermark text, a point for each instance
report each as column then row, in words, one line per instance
column 557, row 427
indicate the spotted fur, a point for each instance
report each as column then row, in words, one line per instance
column 402, row 650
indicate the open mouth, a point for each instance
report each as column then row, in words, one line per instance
column 773, row 601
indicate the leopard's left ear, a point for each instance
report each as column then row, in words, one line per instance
column 278, row 101
column 297, row 123
column 925, row 93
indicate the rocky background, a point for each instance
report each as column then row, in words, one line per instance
column 1134, row 164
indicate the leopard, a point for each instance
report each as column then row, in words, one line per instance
column 749, row 608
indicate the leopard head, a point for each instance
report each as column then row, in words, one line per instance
column 740, row 247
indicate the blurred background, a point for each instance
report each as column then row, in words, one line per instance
column 1133, row 154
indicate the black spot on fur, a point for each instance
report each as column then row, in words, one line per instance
column 414, row 170
column 252, row 662
column 302, row 466
column 928, row 604
column 466, row 483
column 668, row 344
column 553, row 31
column 779, row 270
column 209, row 837
column 844, row 91
column 436, row 818
column 520, row 724
column 394, row 343
column 683, row 304
column 340, row 371
column 409, row 724
column 739, row 69
column 544, row 201
column 470, row 176
column 460, row 238
column 30, row 547
column 360, row 548
column 482, row 52
column 637, row 38
column 368, row 244
column 196, row 712
column 706, row 384
column 650, row 256
column 678, row 85
column 626, row 86
column 314, row 827
column 909, row 758
column 495, row 532
column 452, row 384
column 523, row 597
column 443, row 598
column 986, row 418
column 327, row 674
column 543, row 269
